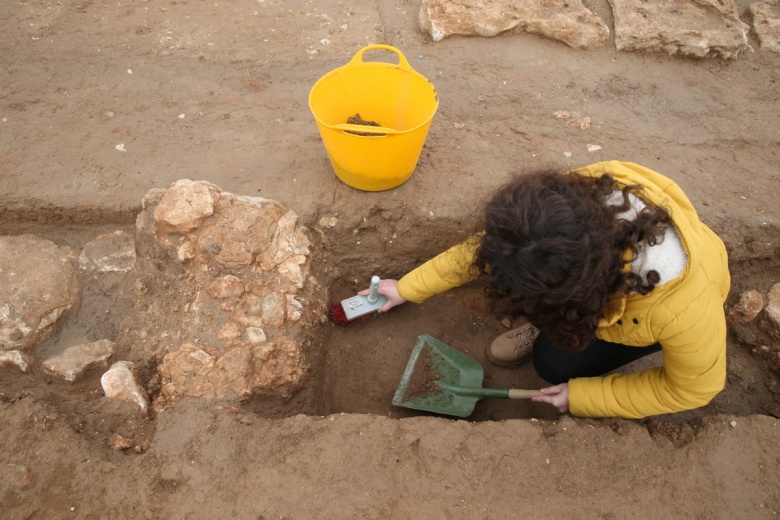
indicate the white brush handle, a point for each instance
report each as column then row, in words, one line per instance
column 373, row 290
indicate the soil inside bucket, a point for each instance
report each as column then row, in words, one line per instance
column 357, row 120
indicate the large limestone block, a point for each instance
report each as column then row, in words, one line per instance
column 765, row 17
column 694, row 28
column 38, row 284
column 569, row 22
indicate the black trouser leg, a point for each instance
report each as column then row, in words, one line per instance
column 556, row 365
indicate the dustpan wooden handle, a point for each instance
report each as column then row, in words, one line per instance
column 516, row 393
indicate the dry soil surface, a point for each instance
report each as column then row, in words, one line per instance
column 103, row 101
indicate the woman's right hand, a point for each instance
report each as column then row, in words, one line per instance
column 389, row 289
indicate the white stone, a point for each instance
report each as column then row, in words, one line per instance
column 273, row 310
column 114, row 252
column 186, row 251
column 255, row 335
column 294, row 308
column 119, row 382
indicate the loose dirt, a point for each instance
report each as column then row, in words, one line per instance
column 357, row 120
column 102, row 102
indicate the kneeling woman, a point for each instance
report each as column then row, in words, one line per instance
column 607, row 264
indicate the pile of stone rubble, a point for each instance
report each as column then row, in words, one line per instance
column 239, row 267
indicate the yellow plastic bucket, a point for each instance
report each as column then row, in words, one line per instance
column 396, row 97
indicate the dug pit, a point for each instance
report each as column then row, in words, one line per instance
column 314, row 367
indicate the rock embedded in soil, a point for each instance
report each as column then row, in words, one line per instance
column 74, row 362
column 118, row 443
column 185, row 204
column 747, row 308
column 693, row 28
column 114, row 252
column 226, row 289
column 571, row 23
column 765, row 17
column 119, row 382
column 769, row 320
column 15, row 359
column 38, row 285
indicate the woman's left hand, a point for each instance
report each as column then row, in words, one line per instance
column 557, row 395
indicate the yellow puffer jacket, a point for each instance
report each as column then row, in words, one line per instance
column 684, row 315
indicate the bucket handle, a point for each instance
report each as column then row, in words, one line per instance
column 403, row 64
column 375, row 131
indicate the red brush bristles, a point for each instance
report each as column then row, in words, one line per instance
column 339, row 317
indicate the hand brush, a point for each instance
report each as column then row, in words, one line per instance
column 357, row 308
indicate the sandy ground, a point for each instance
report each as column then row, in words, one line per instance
column 218, row 92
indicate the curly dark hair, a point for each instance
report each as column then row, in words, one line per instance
column 554, row 251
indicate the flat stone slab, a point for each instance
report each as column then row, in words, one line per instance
column 75, row 361
column 568, row 22
column 114, row 252
column 693, row 28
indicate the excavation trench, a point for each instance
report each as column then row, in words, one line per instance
column 355, row 368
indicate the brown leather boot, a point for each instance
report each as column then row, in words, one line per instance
column 512, row 348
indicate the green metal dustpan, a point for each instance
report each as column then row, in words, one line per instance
column 443, row 380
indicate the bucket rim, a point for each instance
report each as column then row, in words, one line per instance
column 357, row 62
column 393, row 131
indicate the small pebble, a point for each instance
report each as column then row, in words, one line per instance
column 733, row 424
